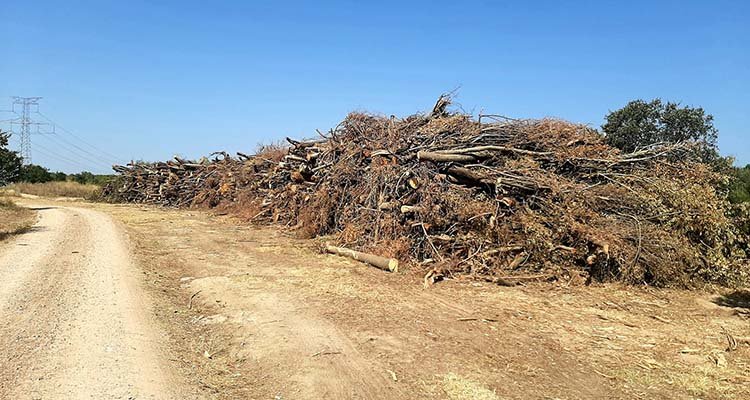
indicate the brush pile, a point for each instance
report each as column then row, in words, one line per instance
column 494, row 198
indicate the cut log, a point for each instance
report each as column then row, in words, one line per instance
column 386, row 264
column 478, row 149
column 469, row 175
column 389, row 205
column 441, row 157
column 295, row 158
column 410, row 209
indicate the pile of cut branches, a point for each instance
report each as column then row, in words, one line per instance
column 493, row 198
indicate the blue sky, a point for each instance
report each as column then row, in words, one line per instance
column 148, row 80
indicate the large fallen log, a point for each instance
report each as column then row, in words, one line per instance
column 386, row 264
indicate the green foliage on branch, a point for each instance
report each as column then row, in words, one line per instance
column 640, row 124
column 35, row 174
column 739, row 189
column 10, row 161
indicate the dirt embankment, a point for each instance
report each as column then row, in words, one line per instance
column 255, row 314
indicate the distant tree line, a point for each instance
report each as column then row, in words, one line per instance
column 12, row 170
column 38, row 174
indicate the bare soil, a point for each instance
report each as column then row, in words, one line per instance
column 271, row 317
column 235, row 311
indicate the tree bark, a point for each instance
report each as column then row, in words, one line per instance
column 386, row 264
column 441, row 157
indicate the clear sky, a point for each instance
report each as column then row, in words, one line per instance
column 151, row 79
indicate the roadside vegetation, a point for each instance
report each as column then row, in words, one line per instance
column 38, row 174
column 17, row 178
column 14, row 219
column 56, row 189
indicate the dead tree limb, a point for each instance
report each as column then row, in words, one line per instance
column 478, row 149
column 442, row 157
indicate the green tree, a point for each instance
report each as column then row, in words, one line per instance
column 84, row 177
column 59, row 176
column 34, row 174
column 739, row 189
column 10, row 161
column 640, row 124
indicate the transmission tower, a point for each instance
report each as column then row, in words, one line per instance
column 25, row 123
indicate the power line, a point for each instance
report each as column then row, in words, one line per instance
column 56, row 155
column 73, row 153
column 81, row 155
column 51, row 153
column 113, row 157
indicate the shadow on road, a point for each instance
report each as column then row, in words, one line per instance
column 736, row 299
column 42, row 208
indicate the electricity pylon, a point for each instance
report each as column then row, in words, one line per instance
column 25, row 123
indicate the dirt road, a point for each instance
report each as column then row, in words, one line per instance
column 267, row 316
column 121, row 301
column 75, row 322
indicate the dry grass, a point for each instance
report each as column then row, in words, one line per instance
column 14, row 219
column 5, row 191
column 706, row 380
column 459, row 388
column 57, row 189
